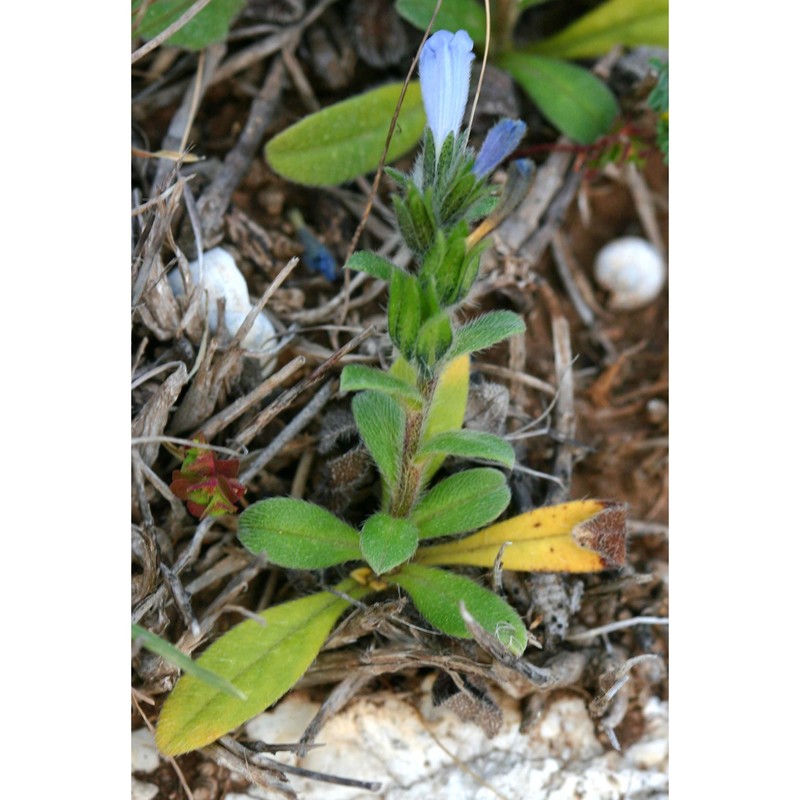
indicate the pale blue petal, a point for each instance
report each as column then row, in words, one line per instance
column 444, row 71
column 500, row 142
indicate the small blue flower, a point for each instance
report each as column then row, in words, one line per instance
column 500, row 142
column 444, row 70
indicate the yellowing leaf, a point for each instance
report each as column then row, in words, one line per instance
column 581, row 536
column 262, row 660
column 449, row 403
column 627, row 22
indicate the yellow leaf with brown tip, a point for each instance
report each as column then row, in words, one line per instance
column 580, row 536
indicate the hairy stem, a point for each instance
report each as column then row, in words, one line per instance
column 404, row 495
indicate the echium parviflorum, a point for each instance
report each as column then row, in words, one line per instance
column 410, row 419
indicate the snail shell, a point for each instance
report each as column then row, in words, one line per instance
column 632, row 270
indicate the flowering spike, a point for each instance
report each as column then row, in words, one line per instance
column 500, row 142
column 444, row 70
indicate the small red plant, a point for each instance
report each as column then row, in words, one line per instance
column 206, row 483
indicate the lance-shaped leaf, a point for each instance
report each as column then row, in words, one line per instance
column 262, row 659
column 372, row 264
column 346, row 140
column 437, row 594
column 461, row 503
column 627, row 22
column 470, row 444
column 485, row 331
column 381, row 422
column 387, row 542
column 581, row 536
column 577, row 102
column 357, row 377
column 404, row 314
column 296, row 534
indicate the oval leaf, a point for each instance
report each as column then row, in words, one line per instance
column 372, row 264
column 578, row 103
column 453, row 15
column 347, row 139
column 581, row 536
column 381, row 422
column 387, row 542
column 627, row 22
column 438, row 594
column 264, row 660
column 296, row 534
column 462, row 503
column 470, row 444
column 210, row 25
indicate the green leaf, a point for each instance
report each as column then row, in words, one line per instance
column 626, row 22
column 437, row 595
column 296, row 534
column 262, row 659
column 485, row 331
column 372, row 264
column 453, row 15
column 356, row 377
column 381, row 422
column 346, row 140
column 577, row 102
column 470, row 444
column 434, row 339
column 210, row 25
column 463, row 502
column 155, row 644
column 387, row 542
column 404, row 313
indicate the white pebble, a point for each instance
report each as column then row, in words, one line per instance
column 632, row 270
column 221, row 278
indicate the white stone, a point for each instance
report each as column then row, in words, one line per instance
column 221, row 278
column 143, row 791
column 632, row 270
column 387, row 738
column 144, row 753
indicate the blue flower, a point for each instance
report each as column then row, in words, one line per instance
column 500, row 142
column 444, row 70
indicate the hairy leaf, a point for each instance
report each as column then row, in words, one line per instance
column 210, row 25
column 485, row 331
column 461, row 503
column 437, row 595
column 381, row 422
column 453, row 15
column 387, row 542
column 372, row 264
column 262, row 659
column 347, row 139
column 581, row 536
column 627, row 22
column 296, row 534
column 470, row 444
column 356, row 377
column 577, row 102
